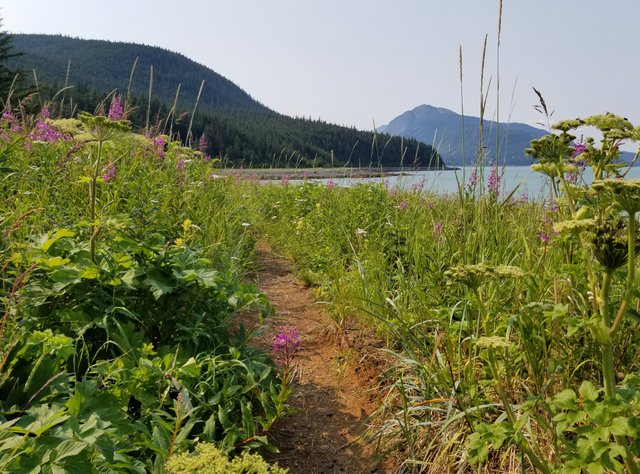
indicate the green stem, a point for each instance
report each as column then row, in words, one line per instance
column 92, row 227
column 93, row 198
column 522, row 443
column 631, row 274
column 605, row 339
column 608, row 365
column 585, row 244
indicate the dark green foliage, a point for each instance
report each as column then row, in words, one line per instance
column 239, row 130
column 7, row 74
column 119, row 344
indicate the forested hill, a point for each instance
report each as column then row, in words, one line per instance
column 106, row 65
column 239, row 129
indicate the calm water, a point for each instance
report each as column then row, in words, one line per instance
column 526, row 182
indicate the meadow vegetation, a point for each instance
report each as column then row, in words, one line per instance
column 512, row 325
column 122, row 266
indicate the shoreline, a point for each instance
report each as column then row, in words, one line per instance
column 323, row 173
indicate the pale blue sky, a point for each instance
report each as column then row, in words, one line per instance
column 355, row 61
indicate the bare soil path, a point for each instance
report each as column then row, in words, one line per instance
column 334, row 390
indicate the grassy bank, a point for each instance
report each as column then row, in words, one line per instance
column 513, row 324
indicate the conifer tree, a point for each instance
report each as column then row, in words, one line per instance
column 7, row 75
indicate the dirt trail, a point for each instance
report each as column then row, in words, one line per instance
column 333, row 392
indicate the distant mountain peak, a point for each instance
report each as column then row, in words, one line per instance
column 442, row 128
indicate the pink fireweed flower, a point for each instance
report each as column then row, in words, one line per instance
column 402, row 205
column 493, row 183
column 544, row 238
column 285, row 179
column 44, row 113
column 330, row 184
column 473, row 180
column 44, row 132
column 109, row 172
column 180, row 165
column 437, row 229
column 202, row 144
column 286, row 345
column 578, row 150
column 286, row 340
column 9, row 119
column 116, row 111
column 158, row 144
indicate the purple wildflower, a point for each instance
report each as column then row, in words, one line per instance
column 207, row 158
column 180, row 165
column 330, row 184
column 473, row 179
column 45, row 133
column 116, row 111
column 202, row 144
column 44, row 113
column 8, row 118
column 285, row 179
column 286, row 345
column 158, row 144
column 579, row 149
column 403, row 204
column 437, row 229
column 109, row 172
column 493, row 183
column 287, row 340
column 544, row 237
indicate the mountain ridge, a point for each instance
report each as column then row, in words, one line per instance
column 442, row 128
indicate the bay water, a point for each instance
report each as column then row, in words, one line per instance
column 526, row 183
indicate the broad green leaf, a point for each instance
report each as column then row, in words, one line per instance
column 620, row 427
column 65, row 275
column 190, row 368
column 59, row 234
column 160, row 283
column 565, row 400
column 588, row 391
column 55, row 261
column 595, row 468
column 90, row 273
column 68, row 448
column 46, row 418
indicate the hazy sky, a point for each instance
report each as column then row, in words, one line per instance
column 355, row 61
